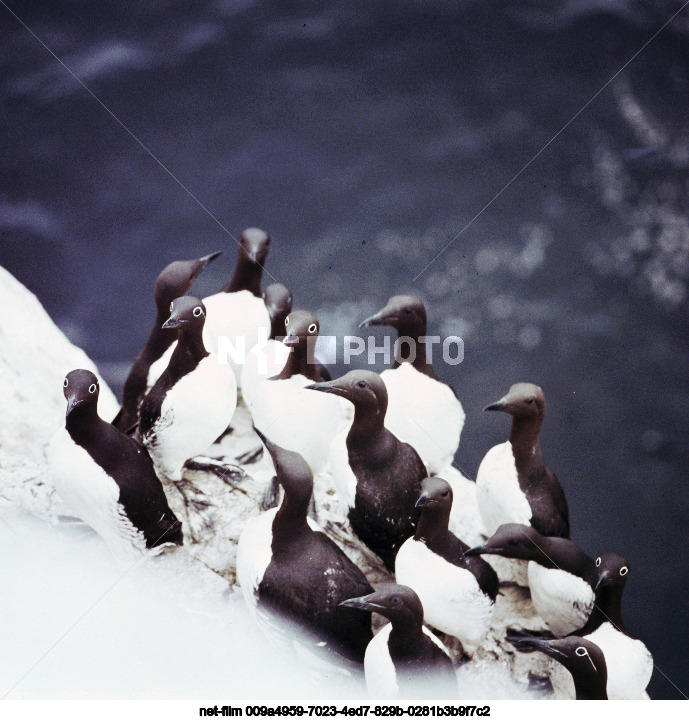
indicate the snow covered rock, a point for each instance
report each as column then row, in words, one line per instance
column 218, row 492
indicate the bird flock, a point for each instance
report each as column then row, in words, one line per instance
column 387, row 441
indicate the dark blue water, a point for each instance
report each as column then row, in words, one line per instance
column 364, row 139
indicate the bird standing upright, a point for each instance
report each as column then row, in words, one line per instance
column 422, row 410
column 106, row 478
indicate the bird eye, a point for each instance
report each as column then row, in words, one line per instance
column 446, row 494
column 407, row 311
column 529, row 401
column 598, row 562
column 65, row 384
column 362, row 384
column 286, row 322
column 312, row 328
column 513, row 542
column 581, row 651
column 172, row 305
column 624, row 571
column 197, row 311
column 395, row 599
column 92, row 388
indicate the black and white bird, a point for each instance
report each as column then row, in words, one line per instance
column 629, row 663
column 585, row 662
column 267, row 358
column 237, row 314
column 404, row 659
column 377, row 476
column 561, row 576
column 106, row 478
column 514, row 485
column 458, row 594
column 297, row 419
column 422, row 410
column 174, row 281
column 192, row 403
column 292, row 574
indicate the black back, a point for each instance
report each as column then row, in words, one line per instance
column 306, row 580
column 384, row 513
column 128, row 463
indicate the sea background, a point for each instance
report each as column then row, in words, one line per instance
column 364, row 138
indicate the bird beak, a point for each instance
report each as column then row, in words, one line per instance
column 291, row 340
column 266, row 442
column 209, row 258
column 326, row 387
column 361, row 603
column 72, row 403
column 253, row 256
column 424, row 500
column 380, row 318
column 173, row 322
column 544, row 646
column 501, row 405
column 603, row 580
column 478, row 550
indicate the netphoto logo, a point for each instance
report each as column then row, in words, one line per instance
column 331, row 349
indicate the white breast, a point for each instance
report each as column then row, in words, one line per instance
column 254, row 554
column 424, row 413
column 195, row 411
column 500, row 499
column 343, row 476
column 451, row 598
column 262, row 361
column 235, row 316
column 300, row 420
column 629, row 662
column 381, row 678
column 564, row 601
column 92, row 495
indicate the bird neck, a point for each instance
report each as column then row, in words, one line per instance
column 432, row 528
column 298, row 364
column 246, row 276
column 417, row 353
column 607, row 607
column 591, row 689
column 83, row 423
column 405, row 639
column 368, row 431
column 290, row 520
column 525, row 440
column 277, row 325
column 190, row 351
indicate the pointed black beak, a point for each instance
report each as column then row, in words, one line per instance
column 424, row 500
column 361, row 603
column 209, row 258
column 543, row 645
column 378, row 318
column 72, row 403
column 266, row 441
column 499, row 406
column 326, row 387
column 478, row 551
column 603, row 580
column 173, row 322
